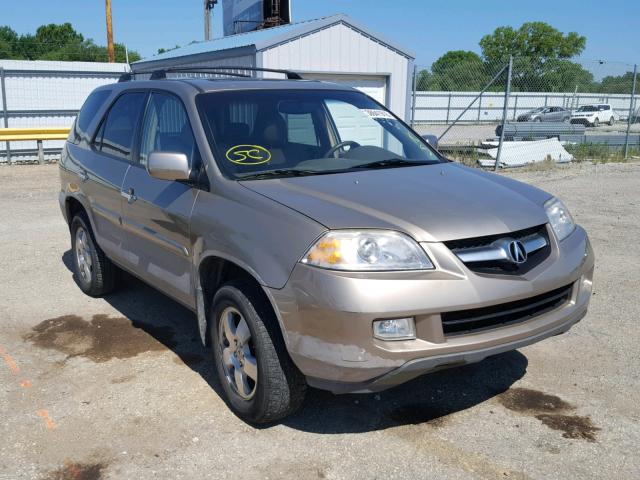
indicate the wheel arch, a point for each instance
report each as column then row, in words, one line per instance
column 213, row 272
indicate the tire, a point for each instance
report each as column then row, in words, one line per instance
column 537, row 119
column 596, row 122
column 95, row 274
column 612, row 121
column 278, row 388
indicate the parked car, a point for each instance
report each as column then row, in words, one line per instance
column 546, row 114
column 319, row 240
column 594, row 115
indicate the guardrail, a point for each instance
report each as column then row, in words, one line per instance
column 38, row 135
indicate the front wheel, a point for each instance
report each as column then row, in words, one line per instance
column 612, row 121
column 260, row 382
column 596, row 122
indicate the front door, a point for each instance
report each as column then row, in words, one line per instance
column 156, row 213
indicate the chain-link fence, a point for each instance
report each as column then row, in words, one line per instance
column 45, row 94
column 554, row 110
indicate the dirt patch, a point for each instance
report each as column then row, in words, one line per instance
column 101, row 339
column 77, row 471
column 524, row 400
column 124, row 379
column 571, row 426
column 551, row 410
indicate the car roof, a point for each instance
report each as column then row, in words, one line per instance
column 207, row 85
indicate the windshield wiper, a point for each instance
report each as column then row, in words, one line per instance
column 282, row 172
column 391, row 162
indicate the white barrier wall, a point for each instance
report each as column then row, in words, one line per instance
column 445, row 107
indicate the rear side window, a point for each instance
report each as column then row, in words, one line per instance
column 88, row 111
column 116, row 134
column 166, row 128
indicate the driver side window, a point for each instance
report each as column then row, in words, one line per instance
column 166, row 128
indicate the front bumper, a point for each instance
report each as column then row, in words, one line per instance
column 582, row 121
column 327, row 316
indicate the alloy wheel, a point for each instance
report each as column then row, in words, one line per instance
column 238, row 353
column 83, row 255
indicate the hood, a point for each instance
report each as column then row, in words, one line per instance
column 432, row 203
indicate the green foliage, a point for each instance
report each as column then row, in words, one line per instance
column 597, row 153
column 537, row 41
column 459, row 70
column 541, row 63
column 618, row 84
column 57, row 42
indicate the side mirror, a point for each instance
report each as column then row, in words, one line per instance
column 168, row 166
column 431, row 140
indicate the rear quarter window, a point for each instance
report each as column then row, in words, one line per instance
column 92, row 104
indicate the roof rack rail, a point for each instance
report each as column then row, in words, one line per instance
column 161, row 73
column 226, row 70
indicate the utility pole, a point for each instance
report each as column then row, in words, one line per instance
column 208, row 10
column 110, row 50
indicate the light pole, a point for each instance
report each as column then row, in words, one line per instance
column 208, row 9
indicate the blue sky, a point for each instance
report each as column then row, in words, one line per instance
column 427, row 28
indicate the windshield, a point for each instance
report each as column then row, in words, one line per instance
column 588, row 108
column 259, row 133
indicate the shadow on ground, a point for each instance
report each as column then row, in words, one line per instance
column 428, row 399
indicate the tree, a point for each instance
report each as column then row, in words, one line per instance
column 57, row 42
column 459, row 70
column 8, row 42
column 538, row 41
column 618, row 84
column 541, row 57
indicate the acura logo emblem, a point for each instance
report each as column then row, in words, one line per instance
column 517, row 252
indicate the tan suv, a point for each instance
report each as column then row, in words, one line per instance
column 319, row 239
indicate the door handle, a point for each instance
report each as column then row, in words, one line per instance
column 129, row 195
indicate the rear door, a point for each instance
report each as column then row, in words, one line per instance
column 104, row 165
column 156, row 213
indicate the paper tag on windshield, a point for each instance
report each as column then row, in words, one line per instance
column 378, row 113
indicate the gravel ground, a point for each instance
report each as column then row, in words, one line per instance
column 120, row 387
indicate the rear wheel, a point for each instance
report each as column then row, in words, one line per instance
column 537, row 119
column 612, row 121
column 260, row 382
column 95, row 274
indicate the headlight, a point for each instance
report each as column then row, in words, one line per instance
column 367, row 250
column 559, row 218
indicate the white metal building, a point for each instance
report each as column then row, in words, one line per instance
column 333, row 49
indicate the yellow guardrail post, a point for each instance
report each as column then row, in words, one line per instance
column 39, row 135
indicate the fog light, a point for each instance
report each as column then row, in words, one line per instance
column 394, row 329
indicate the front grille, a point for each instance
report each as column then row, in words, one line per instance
column 497, row 267
column 476, row 319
